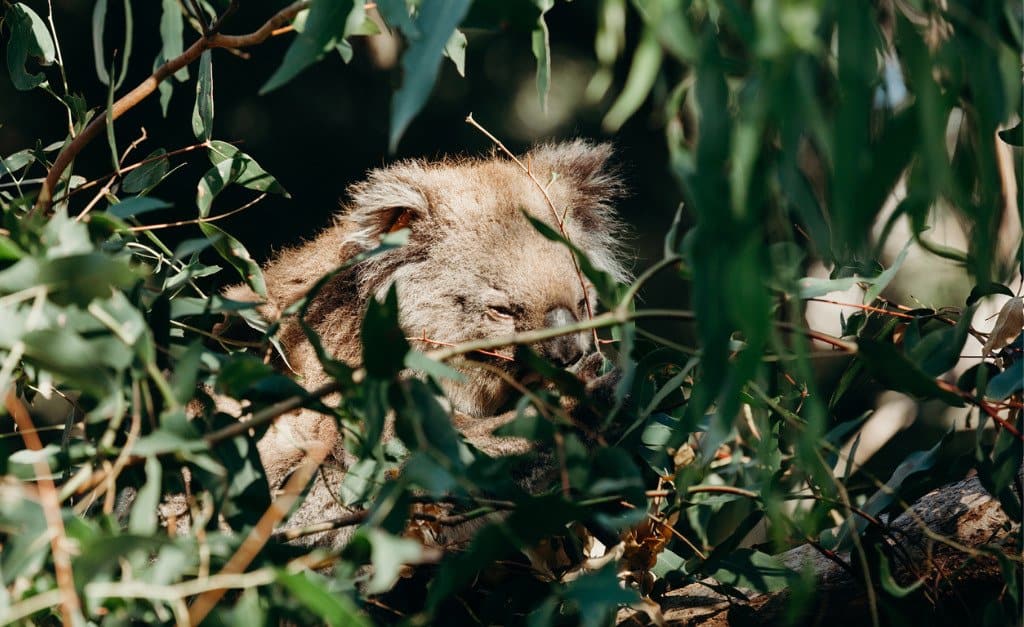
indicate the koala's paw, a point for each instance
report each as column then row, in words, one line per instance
column 600, row 385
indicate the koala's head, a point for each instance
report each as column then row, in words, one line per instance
column 474, row 267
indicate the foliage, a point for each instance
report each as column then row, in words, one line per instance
column 790, row 126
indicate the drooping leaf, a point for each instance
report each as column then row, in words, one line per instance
column 202, row 112
column 323, row 29
column 541, row 45
column 436, row 22
column 642, row 74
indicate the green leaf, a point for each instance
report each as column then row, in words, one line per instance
column 384, row 343
column 747, row 568
column 455, row 50
column 9, row 249
column 985, row 289
column 171, row 35
column 889, row 583
column 310, row 589
column 232, row 251
column 438, row 370
column 940, row 350
column 396, row 14
column 540, row 40
column 423, row 424
column 250, row 175
column 324, row 28
column 1006, row 382
column 436, row 21
column 145, row 177
column 642, row 73
column 597, row 596
column 143, row 520
column 388, row 554
column 893, row 370
column 1013, row 136
column 131, row 207
column 882, row 280
column 202, row 113
column 29, row 38
column 99, row 20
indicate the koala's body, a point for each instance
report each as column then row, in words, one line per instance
column 473, row 268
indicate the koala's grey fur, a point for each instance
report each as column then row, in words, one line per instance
column 471, row 260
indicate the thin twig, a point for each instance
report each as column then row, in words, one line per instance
column 168, row 225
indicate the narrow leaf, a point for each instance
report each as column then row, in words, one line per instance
column 202, row 113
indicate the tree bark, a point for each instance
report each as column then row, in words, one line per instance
column 954, row 583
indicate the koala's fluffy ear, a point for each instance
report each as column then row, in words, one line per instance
column 388, row 200
column 592, row 185
column 586, row 168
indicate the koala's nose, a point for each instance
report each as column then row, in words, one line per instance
column 564, row 350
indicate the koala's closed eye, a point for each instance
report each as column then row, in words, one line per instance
column 501, row 312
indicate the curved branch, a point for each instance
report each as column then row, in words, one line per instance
column 148, row 86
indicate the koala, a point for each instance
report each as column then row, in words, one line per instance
column 473, row 268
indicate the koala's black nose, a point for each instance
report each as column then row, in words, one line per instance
column 564, row 350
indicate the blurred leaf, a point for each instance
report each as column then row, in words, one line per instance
column 940, row 350
column 388, row 555
column 311, row 590
column 882, row 280
column 99, row 20
column 143, row 519
column 235, row 254
column 597, row 595
column 1013, row 136
column 202, row 113
column 137, row 205
column 455, row 50
column 29, row 37
column 606, row 286
column 435, row 21
column 171, row 35
column 889, row 583
column 1007, row 382
column 440, row 371
column 896, row 372
column 336, row 610
column 541, row 44
column 396, row 14
column 985, row 289
column 323, row 29
column 642, row 74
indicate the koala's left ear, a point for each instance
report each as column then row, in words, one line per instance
column 584, row 166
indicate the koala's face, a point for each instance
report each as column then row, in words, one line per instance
column 475, row 267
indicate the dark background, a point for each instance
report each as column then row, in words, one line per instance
column 326, row 128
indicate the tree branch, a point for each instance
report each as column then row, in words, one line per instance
column 148, row 86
